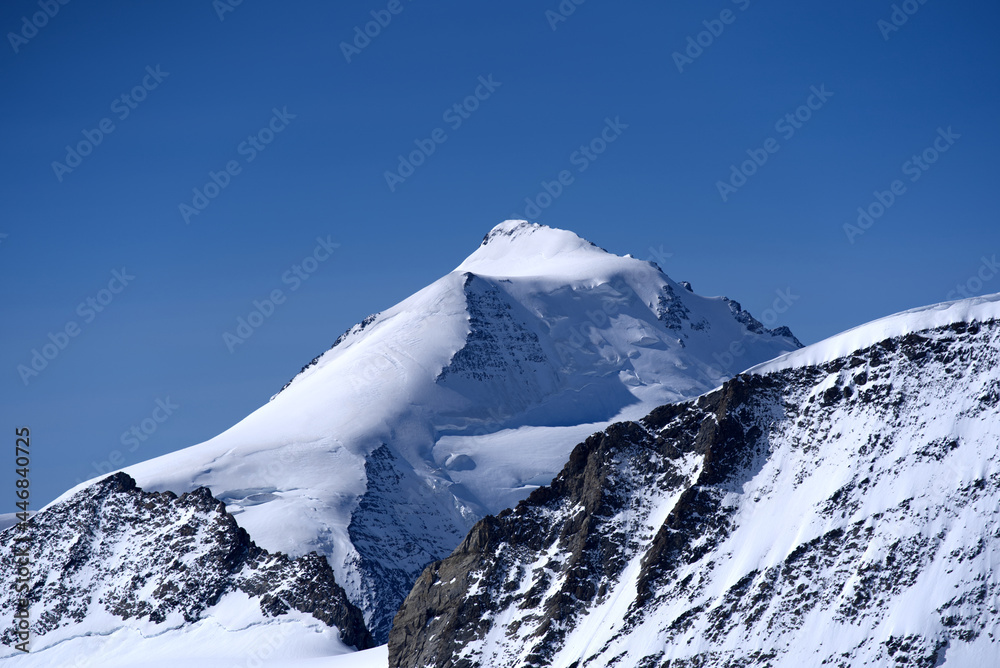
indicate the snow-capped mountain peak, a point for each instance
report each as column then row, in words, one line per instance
column 518, row 232
column 458, row 402
column 519, row 248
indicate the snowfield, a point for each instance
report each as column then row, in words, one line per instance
column 205, row 645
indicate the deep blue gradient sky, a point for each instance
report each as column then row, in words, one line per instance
column 653, row 192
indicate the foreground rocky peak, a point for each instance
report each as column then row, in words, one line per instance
column 114, row 552
column 837, row 510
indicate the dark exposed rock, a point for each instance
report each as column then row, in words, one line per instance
column 152, row 555
column 394, row 542
column 755, row 325
column 670, row 309
column 497, row 344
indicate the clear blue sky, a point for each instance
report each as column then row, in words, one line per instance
column 653, row 192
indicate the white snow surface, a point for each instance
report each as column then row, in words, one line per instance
column 975, row 309
column 479, row 385
column 234, row 632
column 208, row 643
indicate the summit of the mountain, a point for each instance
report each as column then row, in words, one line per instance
column 511, row 230
column 517, row 247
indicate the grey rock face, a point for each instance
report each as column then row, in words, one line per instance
column 755, row 325
column 670, row 310
column 498, row 344
column 393, row 539
column 141, row 555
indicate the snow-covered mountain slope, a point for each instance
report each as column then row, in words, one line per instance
column 202, row 647
column 839, row 506
column 112, row 564
column 460, row 400
column 7, row 520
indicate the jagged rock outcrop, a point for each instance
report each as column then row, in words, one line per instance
column 114, row 549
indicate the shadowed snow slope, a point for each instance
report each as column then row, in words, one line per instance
column 838, row 506
column 458, row 402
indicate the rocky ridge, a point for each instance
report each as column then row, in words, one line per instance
column 842, row 513
column 114, row 550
